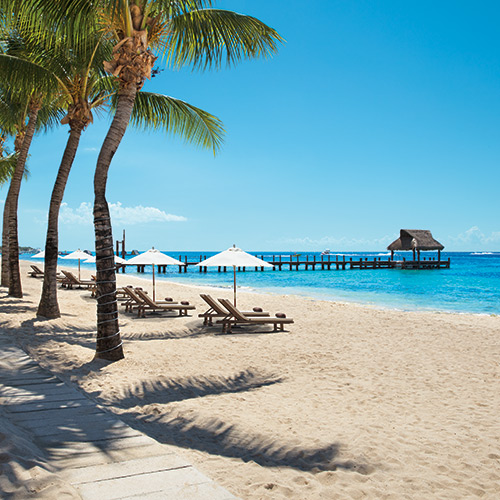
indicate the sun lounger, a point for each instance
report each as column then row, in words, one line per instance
column 143, row 303
column 70, row 280
column 236, row 317
column 217, row 311
column 36, row 272
column 133, row 301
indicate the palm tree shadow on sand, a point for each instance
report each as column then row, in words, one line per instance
column 142, row 404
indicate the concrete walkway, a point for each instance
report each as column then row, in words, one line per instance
column 91, row 449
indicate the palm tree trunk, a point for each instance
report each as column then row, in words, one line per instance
column 5, row 224
column 15, row 288
column 48, row 306
column 109, row 344
column 5, row 245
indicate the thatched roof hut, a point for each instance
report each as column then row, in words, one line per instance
column 415, row 239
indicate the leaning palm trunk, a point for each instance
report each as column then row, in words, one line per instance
column 109, row 345
column 5, row 246
column 48, row 307
column 5, row 226
column 15, row 288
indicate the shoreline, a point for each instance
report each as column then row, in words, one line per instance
column 262, row 291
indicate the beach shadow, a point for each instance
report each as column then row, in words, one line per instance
column 71, row 334
column 216, row 436
column 164, row 391
column 199, row 329
column 220, row 438
column 15, row 308
column 158, row 335
column 57, row 415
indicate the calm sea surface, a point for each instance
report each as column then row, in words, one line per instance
column 471, row 285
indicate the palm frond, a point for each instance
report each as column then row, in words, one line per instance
column 208, row 38
column 8, row 166
column 26, row 76
column 51, row 113
column 160, row 112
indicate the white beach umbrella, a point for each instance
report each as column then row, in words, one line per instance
column 118, row 260
column 77, row 255
column 151, row 258
column 39, row 255
column 235, row 257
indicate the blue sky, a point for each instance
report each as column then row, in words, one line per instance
column 373, row 116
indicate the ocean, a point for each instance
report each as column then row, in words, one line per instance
column 471, row 285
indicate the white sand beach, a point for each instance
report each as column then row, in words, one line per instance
column 350, row 402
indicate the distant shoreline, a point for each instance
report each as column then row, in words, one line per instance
column 205, row 282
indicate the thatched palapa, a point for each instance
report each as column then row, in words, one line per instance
column 415, row 239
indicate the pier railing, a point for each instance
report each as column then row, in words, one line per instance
column 313, row 263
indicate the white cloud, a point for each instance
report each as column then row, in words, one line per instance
column 90, row 149
column 474, row 235
column 119, row 214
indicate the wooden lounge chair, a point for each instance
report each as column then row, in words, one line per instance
column 236, row 317
column 121, row 293
column 133, row 301
column 148, row 304
column 70, row 280
column 36, row 272
column 217, row 311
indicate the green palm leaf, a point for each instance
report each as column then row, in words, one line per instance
column 7, row 167
column 207, row 38
column 160, row 112
column 26, row 76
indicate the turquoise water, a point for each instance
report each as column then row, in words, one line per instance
column 472, row 284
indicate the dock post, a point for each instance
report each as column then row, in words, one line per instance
column 185, row 261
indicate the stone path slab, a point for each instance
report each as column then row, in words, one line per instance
column 89, row 448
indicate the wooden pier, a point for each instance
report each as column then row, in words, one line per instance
column 323, row 263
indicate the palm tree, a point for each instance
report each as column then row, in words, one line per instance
column 32, row 97
column 188, row 34
column 82, row 86
column 87, row 90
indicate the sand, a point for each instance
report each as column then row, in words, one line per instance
column 351, row 402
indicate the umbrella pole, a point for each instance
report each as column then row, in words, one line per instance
column 79, row 270
column 234, row 271
column 154, row 287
